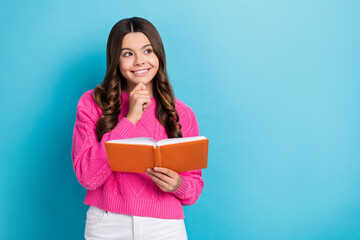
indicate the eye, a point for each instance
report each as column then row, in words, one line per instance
column 127, row 54
column 149, row 50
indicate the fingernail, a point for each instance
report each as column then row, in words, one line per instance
column 148, row 169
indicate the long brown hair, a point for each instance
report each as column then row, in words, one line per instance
column 108, row 93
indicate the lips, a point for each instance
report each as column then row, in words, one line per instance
column 141, row 72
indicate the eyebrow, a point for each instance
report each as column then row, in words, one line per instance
column 132, row 50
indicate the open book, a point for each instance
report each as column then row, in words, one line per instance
column 138, row 154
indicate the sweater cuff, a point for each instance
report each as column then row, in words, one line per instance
column 180, row 192
column 123, row 129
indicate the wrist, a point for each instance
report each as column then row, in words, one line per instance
column 131, row 120
column 178, row 183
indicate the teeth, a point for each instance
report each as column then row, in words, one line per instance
column 141, row 71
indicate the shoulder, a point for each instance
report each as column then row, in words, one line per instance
column 86, row 99
column 183, row 109
column 187, row 118
column 87, row 105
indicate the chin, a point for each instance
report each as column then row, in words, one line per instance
column 144, row 81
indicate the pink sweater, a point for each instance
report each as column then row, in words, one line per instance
column 122, row 192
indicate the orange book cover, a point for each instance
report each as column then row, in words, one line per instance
column 138, row 154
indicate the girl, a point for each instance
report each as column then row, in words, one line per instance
column 135, row 99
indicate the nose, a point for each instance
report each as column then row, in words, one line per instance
column 139, row 60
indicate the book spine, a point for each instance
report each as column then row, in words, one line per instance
column 157, row 156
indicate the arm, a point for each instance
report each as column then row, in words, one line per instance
column 192, row 182
column 89, row 157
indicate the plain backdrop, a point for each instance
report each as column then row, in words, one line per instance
column 274, row 85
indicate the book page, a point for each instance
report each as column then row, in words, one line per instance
column 178, row 140
column 137, row 140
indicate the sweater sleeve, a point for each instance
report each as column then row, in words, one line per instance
column 192, row 182
column 89, row 157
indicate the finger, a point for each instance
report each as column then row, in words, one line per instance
column 141, row 92
column 144, row 106
column 138, row 86
column 142, row 86
column 166, row 171
column 161, row 176
column 137, row 95
column 159, row 182
column 146, row 102
column 142, row 100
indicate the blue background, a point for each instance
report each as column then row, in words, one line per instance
column 274, row 86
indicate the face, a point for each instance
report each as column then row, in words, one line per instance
column 138, row 62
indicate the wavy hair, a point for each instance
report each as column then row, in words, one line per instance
column 108, row 95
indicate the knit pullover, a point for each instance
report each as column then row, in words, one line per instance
column 123, row 192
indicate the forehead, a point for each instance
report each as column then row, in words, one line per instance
column 134, row 40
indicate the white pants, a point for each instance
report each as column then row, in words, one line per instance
column 101, row 224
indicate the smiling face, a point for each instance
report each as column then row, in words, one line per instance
column 138, row 62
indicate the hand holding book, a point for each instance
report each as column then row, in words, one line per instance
column 166, row 179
